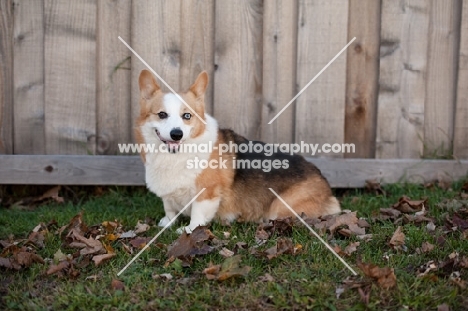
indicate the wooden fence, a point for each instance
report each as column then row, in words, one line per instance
column 68, row 86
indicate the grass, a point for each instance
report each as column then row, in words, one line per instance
column 307, row 280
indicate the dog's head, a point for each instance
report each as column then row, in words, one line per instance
column 168, row 118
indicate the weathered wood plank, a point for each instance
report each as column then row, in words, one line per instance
column 6, row 76
column 238, row 66
column 71, row 170
column 362, row 77
column 197, row 45
column 29, row 127
column 279, row 69
column 441, row 77
column 70, row 76
column 322, row 34
column 176, row 39
column 129, row 170
column 460, row 139
column 403, row 70
column 113, row 76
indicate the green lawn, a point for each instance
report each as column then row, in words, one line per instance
column 306, row 280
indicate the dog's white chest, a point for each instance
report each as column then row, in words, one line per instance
column 168, row 175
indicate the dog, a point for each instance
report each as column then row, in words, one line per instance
column 236, row 181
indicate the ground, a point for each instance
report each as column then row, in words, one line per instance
column 427, row 255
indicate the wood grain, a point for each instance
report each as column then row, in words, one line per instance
column 6, row 76
column 113, row 76
column 322, row 34
column 29, row 125
column 70, row 76
column 129, row 170
column 238, row 66
column 362, row 76
column 460, row 139
column 403, row 70
column 441, row 77
column 279, row 69
column 176, row 39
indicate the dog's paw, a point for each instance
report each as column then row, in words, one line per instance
column 164, row 221
column 184, row 229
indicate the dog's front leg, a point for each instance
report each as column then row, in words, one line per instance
column 202, row 213
column 170, row 213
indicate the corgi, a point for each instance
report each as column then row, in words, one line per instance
column 236, row 186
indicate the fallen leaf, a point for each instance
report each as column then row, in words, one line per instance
column 426, row 247
column 117, row 285
column 230, row 268
column 351, row 248
column 406, row 205
column 373, row 186
column 191, row 245
column 385, row 277
column 51, row 194
column 59, row 256
column 226, row 252
column 141, row 227
column 61, row 266
column 397, row 241
column 283, row 246
column 99, row 259
column 443, row 307
column 430, row 226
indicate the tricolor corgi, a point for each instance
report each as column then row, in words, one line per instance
column 236, row 185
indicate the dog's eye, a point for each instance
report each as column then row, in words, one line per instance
column 162, row 115
column 187, row 116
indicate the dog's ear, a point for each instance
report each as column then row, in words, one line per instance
column 148, row 85
column 199, row 86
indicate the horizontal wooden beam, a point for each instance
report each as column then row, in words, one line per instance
column 129, row 170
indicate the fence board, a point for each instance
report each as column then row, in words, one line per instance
column 6, row 76
column 113, row 76
column 70, row 76
column 441, row 77
column 460, row 140
column 403, row 68
column 279, row 69
column 197, row 45
column 29, row 132
column 238, row 66
column 322, row 34
column 362, row 77
column 119, row 170
column 176, row 39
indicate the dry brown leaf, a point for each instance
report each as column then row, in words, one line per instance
column 351, row 248
column 398, row 239
column 406, row 205
column 52, row 193
column 91, row 246
column 99, row 259
column 117, row 285
column 266, row 278
column 226, row 252
column 340, row 220
column 426, row 247
column 385, row 277
column 141, row 227
column 191, row 245
column 61, row 266
column 373, row 186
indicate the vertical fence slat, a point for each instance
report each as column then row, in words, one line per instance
column 238, row 66
column 460, row 141
column 441, row 76
column 197, row 45
column 362, row 76
column 279, row 69
column 402, row 84
column 113, row 76
column 70, row 76
column 29, row 133
column 155, row 36
column 322, row 34
column 6, row 76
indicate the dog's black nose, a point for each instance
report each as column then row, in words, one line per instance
column 176, row 134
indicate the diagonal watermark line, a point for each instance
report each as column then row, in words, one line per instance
column 313, row 79
column 160, row 232
column 162, row 80
column 315, row 233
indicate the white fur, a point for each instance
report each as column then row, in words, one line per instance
column 202, row 213
column 167, row 174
